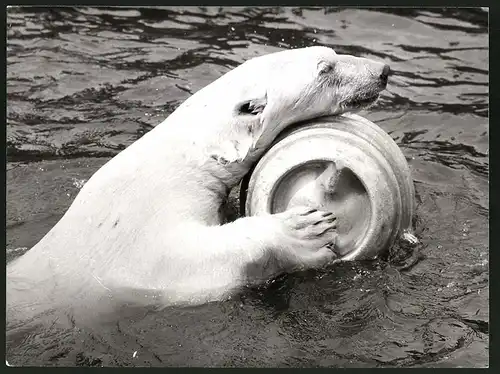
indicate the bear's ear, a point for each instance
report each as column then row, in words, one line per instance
column 246, row 130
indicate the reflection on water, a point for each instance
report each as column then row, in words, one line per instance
column 84, row 83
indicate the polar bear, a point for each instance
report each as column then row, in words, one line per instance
column 146, row 228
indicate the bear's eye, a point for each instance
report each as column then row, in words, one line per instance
column 325, row 67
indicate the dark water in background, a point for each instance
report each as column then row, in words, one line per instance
column 85, row 83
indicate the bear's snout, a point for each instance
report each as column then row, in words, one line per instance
column 384, row 76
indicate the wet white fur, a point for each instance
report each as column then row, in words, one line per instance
column 148, row 224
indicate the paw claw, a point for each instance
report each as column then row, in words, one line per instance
column 309, row 212
column 328, row 229
column 325, row 220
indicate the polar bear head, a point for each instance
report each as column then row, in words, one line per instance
column 270, row 92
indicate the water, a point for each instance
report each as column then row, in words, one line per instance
column 84, row 83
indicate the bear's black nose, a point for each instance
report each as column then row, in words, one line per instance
column 385, row 74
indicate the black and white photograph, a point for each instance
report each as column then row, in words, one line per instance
column 247, row 186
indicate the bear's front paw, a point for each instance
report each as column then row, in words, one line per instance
column 307, row 229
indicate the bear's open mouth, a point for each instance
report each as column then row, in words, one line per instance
column 362, row 101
